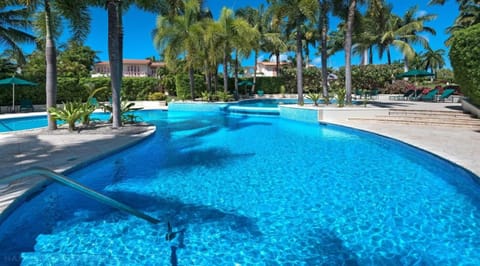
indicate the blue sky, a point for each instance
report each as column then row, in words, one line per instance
column 139, row 25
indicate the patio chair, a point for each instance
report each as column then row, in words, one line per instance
column 430, row 96
column 446, row 93
column 93, row 101
column 374, row 93
column 26, row 105
column 416, row 95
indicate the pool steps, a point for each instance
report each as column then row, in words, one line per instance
column 64, row 180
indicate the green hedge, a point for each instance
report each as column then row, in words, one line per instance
column 74, row 89
column 465, row 59
column 372, row 76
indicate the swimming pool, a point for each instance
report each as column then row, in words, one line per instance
column 256, row 190
column 35, row 121
column 259, row 106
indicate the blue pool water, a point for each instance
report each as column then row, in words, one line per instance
column 259, row 106
column 251, row 190
column 38, row 121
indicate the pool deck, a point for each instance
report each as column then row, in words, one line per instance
column 60, row 152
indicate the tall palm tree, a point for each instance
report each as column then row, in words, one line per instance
column 13, row 23
column 259, row 19
column 412, row 16
column 244, row 41
column 210, row 49
column 79, row 21
column 180, row 36
column 231, row 29
column 433, row 59
column 323, row 22
column 296, row 13
column 469, row 15
column 352, row 8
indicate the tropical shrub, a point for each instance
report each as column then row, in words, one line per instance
column 126, row 109
column 224, row 96
column 315, row 97
column 372, row 76
column 398, row 87
column 465, row 59
column 70, row 113
column 157, row 96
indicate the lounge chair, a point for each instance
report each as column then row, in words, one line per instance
column 373, row 93
column 93, row 101
column 26, row 105
column 403, row 97
column 446, row 93
column 430, row 96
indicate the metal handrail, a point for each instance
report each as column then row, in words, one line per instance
column 64, row 180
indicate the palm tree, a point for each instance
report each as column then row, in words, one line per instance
column 352, row 7
column 433, row 59
column 12, row 22
column 232, row 30
column 259, row 19
column 78, row 18
column 244, row 40
column 412, row 17
column 469, row 15
column 180, row 35
column 210, row 50
column 324, row 10
column 296, row 13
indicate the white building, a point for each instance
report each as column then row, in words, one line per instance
column 131, row 68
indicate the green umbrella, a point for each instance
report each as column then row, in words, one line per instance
column 15, row 81
column 245, row 82
column 415, row 73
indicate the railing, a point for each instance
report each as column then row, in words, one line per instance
column 81, row 188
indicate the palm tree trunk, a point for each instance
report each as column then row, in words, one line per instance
column 324, row 56
column 225, row 71
column 299, row 65
column 114, row 55
column 191, row 77
column 51, row 72
column 405, row 64
column 255, row 71
column 236, row 75
column 389, row 57
column 277, row 63
column 370, row 55
column 348, row 50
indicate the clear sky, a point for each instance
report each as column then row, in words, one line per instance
column 138, row 26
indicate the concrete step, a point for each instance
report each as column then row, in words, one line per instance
column 432, row 119
column 445, row 123
column 406, row 112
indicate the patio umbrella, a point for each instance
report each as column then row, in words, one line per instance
column 415, row 73
column 15, row 81
column 245, row 83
